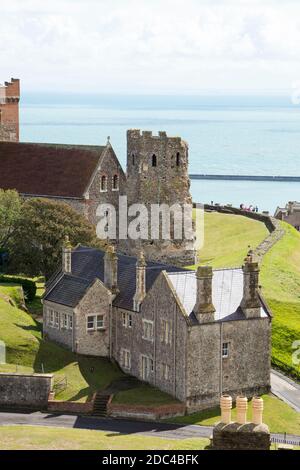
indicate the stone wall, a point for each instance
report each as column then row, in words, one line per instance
column 246, row 370
column 25, row 390
column 60, row 334
column 158, row 306
column 235, row 436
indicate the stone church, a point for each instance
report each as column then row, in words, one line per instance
column 85, row 176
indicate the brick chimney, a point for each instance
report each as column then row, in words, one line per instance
column 204, row 309
column 140, row 290
column 67, row 256
column 111, row 269
column 250, row 303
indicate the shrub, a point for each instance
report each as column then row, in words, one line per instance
column 28, row 285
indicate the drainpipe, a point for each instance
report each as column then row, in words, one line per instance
column 221, row 359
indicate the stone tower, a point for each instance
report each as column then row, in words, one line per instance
column 157, row 173
column 9, row 110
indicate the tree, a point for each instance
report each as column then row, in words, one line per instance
column 36, row 245
column 10, row 211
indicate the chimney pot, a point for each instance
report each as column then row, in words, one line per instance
column 241, row 407
column 226, row 406
column 257, row 410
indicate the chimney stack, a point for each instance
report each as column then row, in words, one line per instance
column 204, row 309
column 250, row 303
column 140, row 291
column 111, row 269
column 226, row 406
column 67, row 255
column 257, row 410
column 241, row 408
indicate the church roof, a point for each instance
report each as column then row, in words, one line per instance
column 53, row 170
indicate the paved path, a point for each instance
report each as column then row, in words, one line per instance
column 114, row 426
column 286, row 389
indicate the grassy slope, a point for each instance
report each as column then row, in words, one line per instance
column 46, row 438
column 277, row 415
column 25, row 347
column 280, row 278
column 227, row 237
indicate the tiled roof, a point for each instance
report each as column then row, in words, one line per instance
column 48, row 169
column 227, row 292
column 88, row 265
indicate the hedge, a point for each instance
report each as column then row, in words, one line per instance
column 29, row 286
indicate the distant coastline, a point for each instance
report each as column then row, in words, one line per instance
column 295, row 179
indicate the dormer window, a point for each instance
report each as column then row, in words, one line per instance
column 115, row 183
column 103, row 184
column 154, row 160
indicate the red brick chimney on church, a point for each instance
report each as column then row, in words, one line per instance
column 9, row 110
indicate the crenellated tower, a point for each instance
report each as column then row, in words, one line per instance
column 9, row 110
column 157, row 173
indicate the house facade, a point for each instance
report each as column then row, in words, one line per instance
column 290, row 214
column 194, row 335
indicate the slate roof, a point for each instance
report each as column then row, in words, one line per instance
column 48, row 169
column 227, row 293
column 88, row 265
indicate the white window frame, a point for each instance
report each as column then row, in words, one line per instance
column 98, row 322
column 70, row 322
column 106, row 184
column 166, row 371
column 167, row 331
column 56, row 319
column 118, row 182
column 127, row 320
column 51, row 317
column 225, row 349
column 149, row 366
column 100, row 319
column 88, row 328
column 65, row 322
column 126, row 358
column 148, row 325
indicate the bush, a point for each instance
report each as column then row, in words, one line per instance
column 28, row 285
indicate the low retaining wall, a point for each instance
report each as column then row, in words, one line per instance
column 149, row 413
column 71, row 407
column 276, row 232
column 25, row 390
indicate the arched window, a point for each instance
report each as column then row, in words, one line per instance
column 154, row 160
column 103, row 185
column 115, row 183
column 178, row 159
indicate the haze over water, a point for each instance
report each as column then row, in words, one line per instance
column 227, row 135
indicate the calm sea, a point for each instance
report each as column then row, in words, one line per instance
column 226, row 135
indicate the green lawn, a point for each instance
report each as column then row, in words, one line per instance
column 46, row 438
column 277, row 415
column 227, row 238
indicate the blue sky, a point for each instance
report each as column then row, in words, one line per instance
column 151, row 46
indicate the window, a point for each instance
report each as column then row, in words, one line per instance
column 127, row 320
column 51, row 317
column 94, row 322
column 126, row 358
column 70, row 322
column 178, row 159
column 165, row 371
column 154, row 160
column 65, row 321
column 147, row 367
column 133, row 159
column 56, row 319
column 148, row 330
column 90, row 322
column 225, row 349
column 115, row 183
column 166, row 332
column 103, row 185
column 100, row 322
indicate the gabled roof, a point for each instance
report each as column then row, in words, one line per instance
column 227, row 293
column 87, row 266
column 53, row 170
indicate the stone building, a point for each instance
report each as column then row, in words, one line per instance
column 194, row 335
column 290, row 214
column 9, row 110
column 85, row 176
